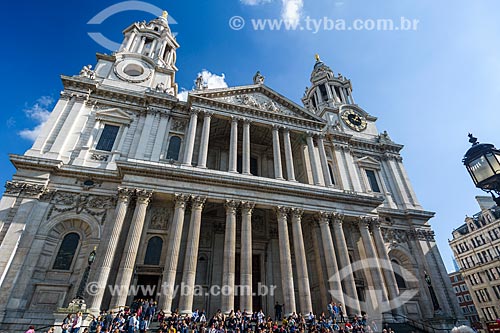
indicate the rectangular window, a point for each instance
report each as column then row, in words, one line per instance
column 372, row 179
column 108, row 137
column 324, row 94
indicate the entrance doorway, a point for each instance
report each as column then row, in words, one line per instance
column 147, row 287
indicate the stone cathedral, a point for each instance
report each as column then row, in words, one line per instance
column 236, row 187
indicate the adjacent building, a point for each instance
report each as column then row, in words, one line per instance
column 476, row 246
column 236, row 187
column 464, row 299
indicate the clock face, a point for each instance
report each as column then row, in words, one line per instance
column 354, row 120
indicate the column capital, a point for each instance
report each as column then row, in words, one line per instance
column 231, row 206
column 194, row 111
column 235, row 119
column 321, row 136
column 247, row 207
column 297, row 213
column 366, row 221
column 143, row 196
column 323, row 217
column 124, row 194
column 282, row 211
column 198, row 201
column 180, row 200
column 247, row 121
column 277, row 127
column 208, row 114
column 338, row 217
column 310, row 134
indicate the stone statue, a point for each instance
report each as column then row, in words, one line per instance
column 199, row 82
column 258, row 78
column 87, row 72
column 160, row 87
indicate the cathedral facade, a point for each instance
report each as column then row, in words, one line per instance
column 239, row 188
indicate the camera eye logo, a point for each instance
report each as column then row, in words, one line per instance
column 121, row 7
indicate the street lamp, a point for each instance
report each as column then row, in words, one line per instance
column 482, row 161
column 85, row 278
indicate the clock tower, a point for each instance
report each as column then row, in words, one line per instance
column 330, row 97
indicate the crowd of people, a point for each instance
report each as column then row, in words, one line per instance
column 144, row 314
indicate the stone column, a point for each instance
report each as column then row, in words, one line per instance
column 390, row 278
column 233, row 146
column 129, row 256
column 278, row 171
column 205, row 135
column 102, row 275
column 188, row 151
column 378, row 280
column 246, row 148
column 352, row 301
column 130, row 40
column 285, row 261
column 331, row 259
column 152, row 49
column 301, row 263
column 290, row 170
column 141, row 45
column 312, row 159
column 246, row 256
column 174, row 244
column 229, row 261
column 324, row 162
column 191, row 255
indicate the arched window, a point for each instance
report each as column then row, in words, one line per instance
column 153, row 251
column 174, row 146
column 400, row 281
column 66, row 252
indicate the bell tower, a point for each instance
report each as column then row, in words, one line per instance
column 327, row 91
column 146, row 58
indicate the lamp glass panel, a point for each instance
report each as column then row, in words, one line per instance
column 481, row 169
column 494, row 160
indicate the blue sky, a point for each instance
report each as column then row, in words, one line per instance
column 429, row 87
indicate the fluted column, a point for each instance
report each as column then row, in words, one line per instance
column 229, row 260
column 205, row 135
column 188, row 151
column 290, row 170
column 285, row 261
column 352, row 301
column 111, row 243
column 141, row 45
column 324, row 162
column 301, row 262
column 174, row 244
column 278, row 170
column 130, row 40
column 312, row 159
column 191, row 255
column 331, row 259
column 246, row 257
column 246, row 148
column 387, row 271
column 129, row 256
column 233, row 146
column 380, row 296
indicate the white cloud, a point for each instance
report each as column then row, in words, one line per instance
column 210, row 80
column 39, row 113
column 292, row 10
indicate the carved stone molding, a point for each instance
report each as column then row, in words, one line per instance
column 178, row 125
column 422, row 234
column 231, row 206
column 395, row 236
column 159, row 218
column 247, row 207
column 282, row 212
column 24, row 189
column 95, row 205
column 323, row 217
column 180, row 200
column 297, row 213
column 143, row 196
column 197, row 201
column 338, row 217
column 99, row 157
column 124, row 194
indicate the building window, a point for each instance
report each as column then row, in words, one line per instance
column 153, row 251
column 372, row 179
column 108, row 137
column 174, row 147
column 400, row 281
column 330, row 171
column 322, row 90
column 66, row 252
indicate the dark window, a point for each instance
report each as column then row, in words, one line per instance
column 337, row 91
column 324, row 94
column 313, row 101
column 331, row 173
column 373, row 180
column 66, row 252
column 153, row 251
column 174, row 147
column 400, row 281
column 108, row 137
column 254, row 166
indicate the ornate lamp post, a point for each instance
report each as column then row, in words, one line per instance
column 85, row 278
column 482, row 161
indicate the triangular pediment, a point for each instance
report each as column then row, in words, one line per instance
column 258, row 97
column 114, row 115
column 368, row 161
